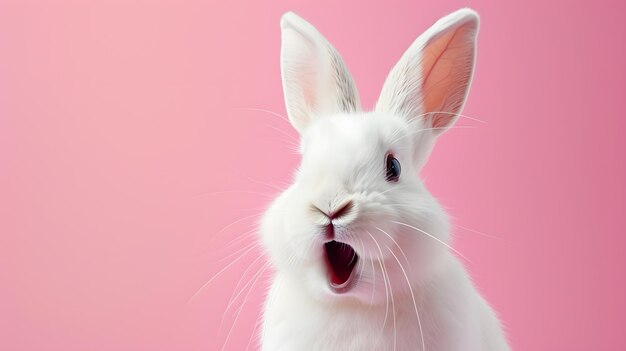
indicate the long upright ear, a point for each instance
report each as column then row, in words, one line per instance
column 432, row 79
column 315, row 79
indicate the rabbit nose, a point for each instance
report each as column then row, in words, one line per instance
column 341, row 210
column 338, row 212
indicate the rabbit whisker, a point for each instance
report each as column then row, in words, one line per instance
column 479, row 232
column 266, row 111
column 293, row 147
column 219, row 273
column 237, row 239
column 237, row 221
column 232, row 192
column 385, row 283
column 268, row 184
column 419, row 322
column 391, row 189
column 360, row 263
column 241, row 237
column 373, row 272
column 393, row 305
column 245, row 299
column 252, row 244
column 280, row 131
column 435, row 238
column 256, row 326
column 234, row 297
column 416, row 118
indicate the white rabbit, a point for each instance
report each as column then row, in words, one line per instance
column 360, row 247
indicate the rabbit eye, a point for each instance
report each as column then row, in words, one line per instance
column 392, row 173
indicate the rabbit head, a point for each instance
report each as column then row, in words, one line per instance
column 358, row 223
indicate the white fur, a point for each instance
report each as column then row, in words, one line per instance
column 411, row 293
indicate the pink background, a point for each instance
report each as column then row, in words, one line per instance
column 125, row 149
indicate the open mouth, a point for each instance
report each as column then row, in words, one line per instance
column 341, row 260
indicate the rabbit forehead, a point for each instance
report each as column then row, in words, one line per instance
column 351, row 142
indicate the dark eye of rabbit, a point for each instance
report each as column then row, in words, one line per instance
column 393, row 169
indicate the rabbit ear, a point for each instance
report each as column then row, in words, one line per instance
column 315, row 79
column 432, row 79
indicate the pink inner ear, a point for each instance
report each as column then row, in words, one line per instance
column 447, row 64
